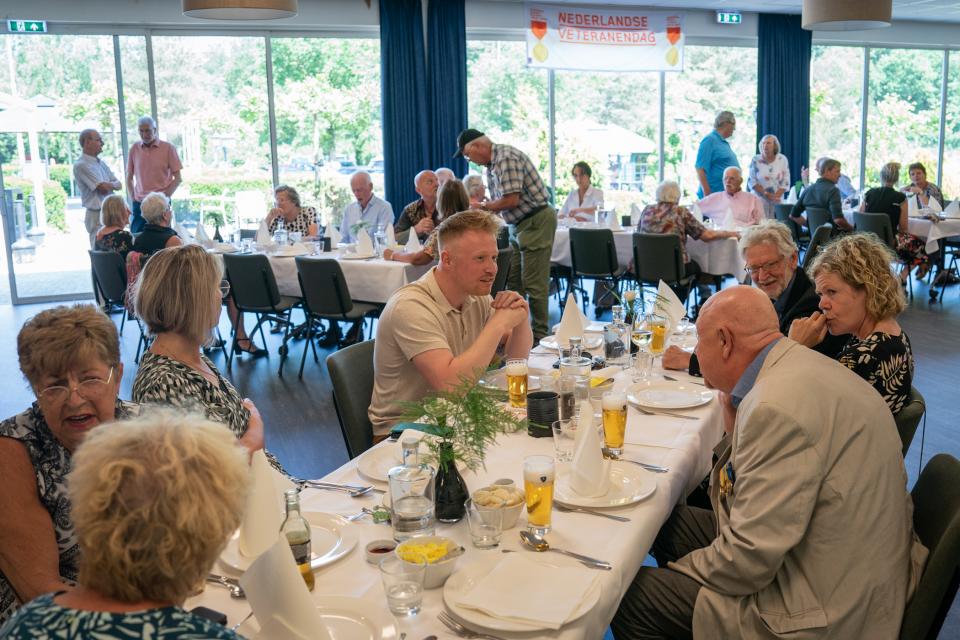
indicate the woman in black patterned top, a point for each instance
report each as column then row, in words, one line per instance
column 860, row 295
column 178, row 297
column 71, row 358
column 112, row 236
column 296, row 218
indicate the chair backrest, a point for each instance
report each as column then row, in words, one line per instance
column 876, row 223
column 503, row 270
column 325, row 290
column 657, row 256
column 351, row 375
column 820, row 237
column 909, row 418
column 503, row 237
column 111, row 275
column 593, row 253
column 248, row 234
column 782, row 211
column 936, row 519
column 817, row 218
column 253, row 286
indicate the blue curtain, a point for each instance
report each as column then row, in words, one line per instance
column 446, row 81
column 783, row 86
column 403, row 98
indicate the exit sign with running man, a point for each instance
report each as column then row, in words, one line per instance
column 27, row 26
column 729, row 17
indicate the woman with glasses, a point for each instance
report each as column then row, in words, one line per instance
column 70, row 356
column 178, row 297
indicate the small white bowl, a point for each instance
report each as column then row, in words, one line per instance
column 379, row 549
column 437, row 572
column 511, row 514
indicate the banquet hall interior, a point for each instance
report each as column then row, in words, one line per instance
column 348, row 88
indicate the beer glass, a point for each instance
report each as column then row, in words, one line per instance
column 516, row 371
column 657, row 325
column 614, row 420
column 538, row 474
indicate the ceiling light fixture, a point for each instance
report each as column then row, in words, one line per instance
column 846, row 15
column 240, row 9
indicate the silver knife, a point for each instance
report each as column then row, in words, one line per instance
column 660, row 412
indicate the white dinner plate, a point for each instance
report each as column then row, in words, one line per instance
column 344, row 618
column 331, row 538
column 222, row 247
column 465, row 579
column 376, row 462
column 628, row 484
column 356, row 256
column 291, row 252
column 668, row 395
column 497, row 379
column 590, row 341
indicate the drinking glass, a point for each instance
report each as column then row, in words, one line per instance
column 564, row 437
column 614, row 420
column 412, row 501
column 247, row 245
column 516, row 371
column 657, row 325
column 641, row 335
column 642, row 365
column 295, row 237
column 486, row 524
column 568, row 398
column 538, row 475
column 403, row 584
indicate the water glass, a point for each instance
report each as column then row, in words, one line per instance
column 236, row 238
column 247, row 245
column 295, row 237
column 403, row 584
column 486, row 524
column 642, row 366
column 564, row 437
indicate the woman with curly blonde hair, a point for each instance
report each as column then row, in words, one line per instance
column 154, row 502
column 860, row 295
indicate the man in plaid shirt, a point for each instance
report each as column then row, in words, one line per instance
column 518, row 195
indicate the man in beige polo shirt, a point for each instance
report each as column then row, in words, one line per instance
column 445, row 326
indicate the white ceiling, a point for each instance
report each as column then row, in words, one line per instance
column 929, row 10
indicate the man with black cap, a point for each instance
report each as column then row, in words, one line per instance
column 518, row 195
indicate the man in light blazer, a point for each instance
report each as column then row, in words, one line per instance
column 811, row 534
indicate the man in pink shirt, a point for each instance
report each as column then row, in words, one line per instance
column 746, row 208
column 152, row 165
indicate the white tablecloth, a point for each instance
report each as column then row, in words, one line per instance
column 720, row 257
column 683, row 445
column 925, row 228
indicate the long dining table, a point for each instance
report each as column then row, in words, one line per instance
column 683, row 445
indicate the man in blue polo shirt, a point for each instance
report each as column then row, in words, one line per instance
column 715, row 155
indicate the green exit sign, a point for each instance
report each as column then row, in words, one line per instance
column 27, row 26
column 729, row 17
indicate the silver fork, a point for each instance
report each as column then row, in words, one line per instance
column 563, row 507
column 647, row 412
column 461, row 630
column 672, row 379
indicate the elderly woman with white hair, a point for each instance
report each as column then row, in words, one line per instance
column 476, row 190
column 667, row 216
column 157, row 233
column 154, row 502
column 769, row 173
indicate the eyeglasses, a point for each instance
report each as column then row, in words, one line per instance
column 224, row 289
column 766, row 266
column 88, row 388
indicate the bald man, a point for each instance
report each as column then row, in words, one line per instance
column 421, row 214
column 444, row 175
column 744, row 208
column 367, row 208
column 811, row 533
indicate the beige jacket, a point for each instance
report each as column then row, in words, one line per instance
column 816, row 537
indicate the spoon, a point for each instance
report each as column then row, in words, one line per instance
column 539, row 544
column 353, row 492
column 236, row 591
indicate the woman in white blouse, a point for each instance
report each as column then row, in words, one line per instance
column 769, row 173
column 583, row 202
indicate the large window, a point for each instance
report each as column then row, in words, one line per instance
column 714, row 79
column 903, row 120
column 836, row 98
column 951, row 143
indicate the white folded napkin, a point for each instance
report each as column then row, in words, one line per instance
column 185, row 235
column 559, row 591
column 589, row 471
column 391, row 237
column 934, row 205
column 791, row 196
column 913, row 207
column 334, row 234
column 280, row 599
column 613, row 221
column 262, row 517
column 364, row 243
column 668, row 304
column 695, row 211
column 572, row 323
column 635, row 213
column 263, row 234
column 413, row 242
column 202, row 236
column 952, row 210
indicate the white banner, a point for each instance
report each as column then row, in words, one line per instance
column 603, row 39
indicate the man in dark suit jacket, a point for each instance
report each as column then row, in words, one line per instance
column 771, row 258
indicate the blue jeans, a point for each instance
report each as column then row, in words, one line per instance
column 136, row 220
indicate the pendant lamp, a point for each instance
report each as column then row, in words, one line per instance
column 240, row 9
column 846, row 15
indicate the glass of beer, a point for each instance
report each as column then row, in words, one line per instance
column 538, row 474
column 614, row 421
column 516, row 371
column 657, row 325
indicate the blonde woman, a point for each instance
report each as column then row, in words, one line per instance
column 178, row 298
column 154, row 501
column 112, row 234
column 860, row 295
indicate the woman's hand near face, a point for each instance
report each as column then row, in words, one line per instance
column 272, row 215
column 809, row 331
column 253, row 438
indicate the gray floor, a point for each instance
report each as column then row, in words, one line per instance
column 302, row 428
